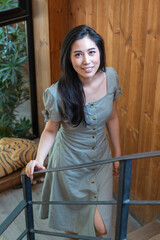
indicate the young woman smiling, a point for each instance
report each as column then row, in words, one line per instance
column 78, row 107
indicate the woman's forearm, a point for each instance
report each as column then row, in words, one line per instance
column 45, row 144
column 114, row 134
column 46, row 141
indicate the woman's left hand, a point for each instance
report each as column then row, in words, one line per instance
column 116, row 169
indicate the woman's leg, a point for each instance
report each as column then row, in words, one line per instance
column 99, row 224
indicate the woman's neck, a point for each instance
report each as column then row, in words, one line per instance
column 96, row 88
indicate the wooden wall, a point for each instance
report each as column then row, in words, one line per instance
column 131, row 30
column 42, row 53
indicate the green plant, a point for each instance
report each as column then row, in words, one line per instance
column 13, row 80
column 7, row 4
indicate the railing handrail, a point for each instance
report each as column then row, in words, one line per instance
column 122, row 202
column 134, row 156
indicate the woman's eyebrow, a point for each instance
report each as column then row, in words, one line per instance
column 87, row 50
column 91, row 49
column 77, row 51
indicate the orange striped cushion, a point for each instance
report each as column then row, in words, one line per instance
column 15, row 153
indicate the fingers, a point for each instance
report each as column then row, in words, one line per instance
column 116, row 169
column 33, row 164
column 30, row 168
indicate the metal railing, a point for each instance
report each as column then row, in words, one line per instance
column 123, row 200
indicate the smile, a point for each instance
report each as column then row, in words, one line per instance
column 88, row 69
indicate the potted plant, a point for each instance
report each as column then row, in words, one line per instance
column 14, row 89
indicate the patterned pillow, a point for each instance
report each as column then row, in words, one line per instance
column 15, row 153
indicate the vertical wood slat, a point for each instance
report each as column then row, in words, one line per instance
column 125, row 67
column 81, row 12
column 42, row 53
column 102, row 22
column 131, row 30
column 135, row 96
column 72, row 14
column 58, row 19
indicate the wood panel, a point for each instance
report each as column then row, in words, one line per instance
column 131, row 30
column 42, row 53
column 58, row 19
column 135, row 94
column 150, row 110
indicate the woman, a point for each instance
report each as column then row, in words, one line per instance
column 77, row 108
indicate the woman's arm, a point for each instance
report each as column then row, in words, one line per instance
column 46, row 141
column 113, row 130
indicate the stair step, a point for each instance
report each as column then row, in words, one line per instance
column 157, row 237
column 146, row 232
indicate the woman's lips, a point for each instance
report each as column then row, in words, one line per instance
column 88, row 69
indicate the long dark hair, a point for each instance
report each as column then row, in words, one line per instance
column 69, row 86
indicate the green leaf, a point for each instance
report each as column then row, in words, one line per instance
column 4, row 69
column 11, row 29
column 6, row 75
column 13, row 77
column 21, row 60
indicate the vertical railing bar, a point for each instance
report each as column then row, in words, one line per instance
column 27, row 192
column 119, row 201
column 126, row 197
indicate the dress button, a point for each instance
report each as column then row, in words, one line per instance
column 92, row 105
column 94, row 147
column 94, row 127
column 94, row 118
column 92, row 181
column 94, row 136
column 95, row 195
column 94, row 159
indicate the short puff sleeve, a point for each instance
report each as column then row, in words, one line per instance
column 117, row 88
column 50, row 100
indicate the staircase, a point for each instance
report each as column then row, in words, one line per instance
column 150, row 231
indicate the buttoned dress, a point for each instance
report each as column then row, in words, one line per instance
column 78, row 145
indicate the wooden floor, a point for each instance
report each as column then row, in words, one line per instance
column 9, row 200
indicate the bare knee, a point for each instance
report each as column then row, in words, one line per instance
column 100, row 230
column 99, row 224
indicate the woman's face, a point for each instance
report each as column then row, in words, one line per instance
column 85, row 58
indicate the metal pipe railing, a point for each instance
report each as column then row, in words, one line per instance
column 20, row 207
column 123, row 199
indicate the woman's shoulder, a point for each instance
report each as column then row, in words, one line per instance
column 113, row 82
column 112, row 78
column 52, row 90
column 111, row 72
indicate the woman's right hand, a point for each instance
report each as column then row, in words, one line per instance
column 33, row 164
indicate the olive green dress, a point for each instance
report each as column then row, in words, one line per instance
column 77, row 145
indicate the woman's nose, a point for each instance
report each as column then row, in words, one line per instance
column 86, row 59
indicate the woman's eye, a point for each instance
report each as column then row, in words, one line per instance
column 92, row 52
column 78, row 55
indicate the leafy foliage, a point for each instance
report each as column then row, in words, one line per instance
column 13, row 80
column 7, row 4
